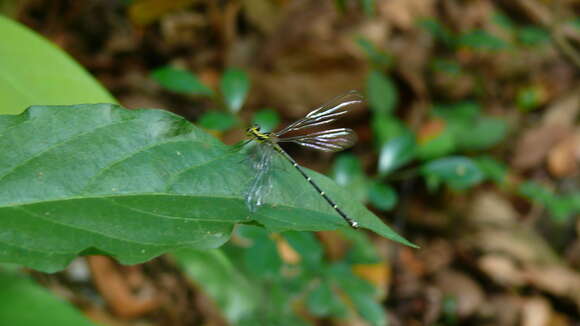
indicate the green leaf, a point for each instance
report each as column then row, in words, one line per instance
column 362, row 250
column 368, row 7
column 439, row 31
column 23, row 303
column 382, row 93
column 262, row 259
column 562, row 207
column 441, row 145
column 323, row 302
column 492, row 168
column 483, row 134
column 465, row 111
column 33, row 71
column 234, row 85
column 386, row 128
column 267, row 119
column 180, row 81
column 219, row 278
column 369, row 309
column 376, row 56
column 529, row 98
column 481, row 40
column 503, row 20
column 134, row 184
column 217, row 120
column 469, row 129
column 396, row 152
column 308, row 246
column 361, row 294
column 533, row 35
column 347, row 171
column 457, row 172
column 382, row 196
column 451, row 67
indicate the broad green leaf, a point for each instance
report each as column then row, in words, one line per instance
column 347, row 171
column 33, row 71
column 25, row 303
column 217, row 120
column 382, row 196
column 134, row 184
column 267, row 119
column 396, row 152
column 457, row 172
column 234, row 85
column 180, row 81
column 382, row 93
column 218, row 277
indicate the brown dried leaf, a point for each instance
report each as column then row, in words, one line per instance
column 287, row 253
column 501, row 269
column 533, row 147
column 536, row 311
column 147, row 11
column 564, row 158
column 558, row 280
column 378, row 274
column 468, row 293
column 405, row 13
column 112, row 283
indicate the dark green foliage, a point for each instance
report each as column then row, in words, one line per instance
column 180, row 81
column 267, row 119
column 25, row 303
column 382, row 93
column 457, row 172
column 234, row 86
column 217, row 120
column 561, row 207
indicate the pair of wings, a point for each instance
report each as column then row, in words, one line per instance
column 331, row 140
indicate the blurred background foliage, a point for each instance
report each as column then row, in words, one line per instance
column 469, row 146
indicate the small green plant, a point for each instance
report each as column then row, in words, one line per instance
column 560, row 206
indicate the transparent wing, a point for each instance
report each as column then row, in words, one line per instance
column 327, row 113
column 261, row 185
column 332, row 140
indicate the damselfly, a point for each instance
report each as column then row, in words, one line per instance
column 331, row 140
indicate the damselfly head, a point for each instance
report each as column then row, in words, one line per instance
column 253, row 130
